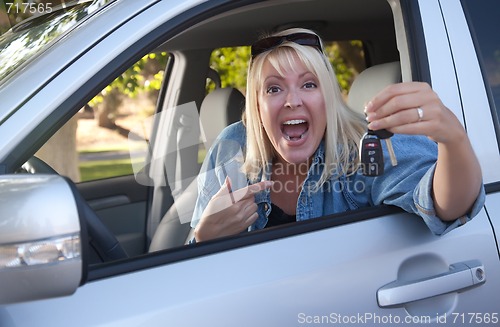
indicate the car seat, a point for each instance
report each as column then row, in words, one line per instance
column 370, row 82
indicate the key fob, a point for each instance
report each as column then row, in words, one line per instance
column 381, row 133
column 371, row 155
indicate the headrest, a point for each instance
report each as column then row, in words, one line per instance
column 371, row 81
column 220, row 108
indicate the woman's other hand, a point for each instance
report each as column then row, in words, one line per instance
column 229, row 213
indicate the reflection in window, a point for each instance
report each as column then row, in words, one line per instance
column 28, row 38
column 483, row 21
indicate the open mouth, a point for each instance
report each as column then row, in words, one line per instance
column 295, row 129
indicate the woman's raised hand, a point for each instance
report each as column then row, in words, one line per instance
column 414, row 108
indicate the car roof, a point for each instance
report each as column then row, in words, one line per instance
column 332, row 19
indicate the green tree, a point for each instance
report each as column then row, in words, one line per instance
column 231, row 64
column 347, row 59
column 144, row 76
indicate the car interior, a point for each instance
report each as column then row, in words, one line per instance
column 373, row 22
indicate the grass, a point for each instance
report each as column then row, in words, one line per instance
column 99, row 169
column 111, row 148
column 107, row 167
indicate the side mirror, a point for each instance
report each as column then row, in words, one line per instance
column 40, row 239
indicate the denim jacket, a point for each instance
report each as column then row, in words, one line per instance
column 407, row 185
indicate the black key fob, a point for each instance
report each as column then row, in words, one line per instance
column 371, row 155
column 381, row 133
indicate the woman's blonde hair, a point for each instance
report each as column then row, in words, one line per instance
column 344, row 127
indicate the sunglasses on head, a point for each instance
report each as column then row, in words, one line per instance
column 272, row 42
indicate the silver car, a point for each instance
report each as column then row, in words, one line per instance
column 115, row 251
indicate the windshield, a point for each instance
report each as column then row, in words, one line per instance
column 32, row 36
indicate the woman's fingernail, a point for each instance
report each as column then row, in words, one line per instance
column 371, row 116
column 368, row 106
column 373, row 125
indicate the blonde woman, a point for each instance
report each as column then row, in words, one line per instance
column 300, row 143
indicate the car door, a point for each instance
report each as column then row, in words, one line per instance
column 122, row 204
column 366, row 267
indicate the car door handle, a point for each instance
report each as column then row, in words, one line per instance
column 460, row 275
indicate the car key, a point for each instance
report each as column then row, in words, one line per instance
column 371, row 155
column 386, row 136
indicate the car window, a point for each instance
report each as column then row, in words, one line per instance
column 96, row 143
column 483, row 22
column 36, row 25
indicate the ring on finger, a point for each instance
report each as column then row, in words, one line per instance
column 420, row 113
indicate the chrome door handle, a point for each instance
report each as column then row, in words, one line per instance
column 461, row 275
